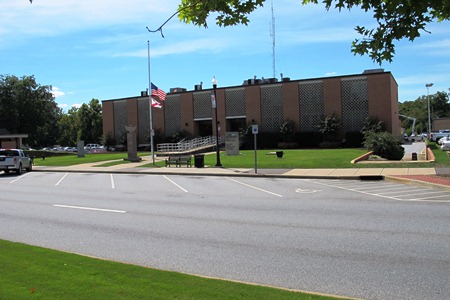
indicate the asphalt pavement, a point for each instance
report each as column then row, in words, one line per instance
column 435, row 176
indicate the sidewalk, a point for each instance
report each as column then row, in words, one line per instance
column 408, row 175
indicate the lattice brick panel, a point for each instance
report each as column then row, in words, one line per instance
column 202, row 105
column 172, row 114
column 311, row 105
column 235, row 102
column 271, row 108
column 143, row 121
column 120, row 119
column 355, row 103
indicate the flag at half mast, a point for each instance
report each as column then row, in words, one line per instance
column 158, row 93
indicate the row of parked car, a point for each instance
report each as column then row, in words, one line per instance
column 89, row 148
column 442, row 137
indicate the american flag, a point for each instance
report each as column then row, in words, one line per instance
column 157, row 92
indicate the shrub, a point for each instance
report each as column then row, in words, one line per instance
column 309, row 139
column 385, row 145
column 329, row 127
column 287, row 131
column 353, row 139
column 268, row 140
column 373, row 124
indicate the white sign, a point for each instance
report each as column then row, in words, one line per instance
column 213, row 101
column 232, row 143
column 255, row 129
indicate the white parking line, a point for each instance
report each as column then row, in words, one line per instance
column 177, row 185
column 62, row 179
column 253, row 187
column 20, row 177
column 382, row 188
column 441, row 196
column 90, row 208
column 113, row 186
column 401, row 192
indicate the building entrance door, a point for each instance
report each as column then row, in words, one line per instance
column 204, row 128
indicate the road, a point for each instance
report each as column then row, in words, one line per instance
column 371, row 240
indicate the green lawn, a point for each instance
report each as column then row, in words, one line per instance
column 29, row 272
column 266, row 159
column 69, row 160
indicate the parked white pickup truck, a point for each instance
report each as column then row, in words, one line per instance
column 436, row 136
column 15, row 160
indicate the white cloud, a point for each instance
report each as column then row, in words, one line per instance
column 57, row 92
column 189, row 46
column 435, row 47
column 55, row 17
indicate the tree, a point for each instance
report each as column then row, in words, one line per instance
column 27, row 107
column 397, row 19
column 90, row 122
column 68, row 128
column 439, row 108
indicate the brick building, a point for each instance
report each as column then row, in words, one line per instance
column 268, row 103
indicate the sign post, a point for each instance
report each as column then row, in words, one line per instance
column 255, row 132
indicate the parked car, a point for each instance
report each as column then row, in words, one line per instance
column 436, row 136
column 441, row 141
column 446, row 145
column 414, row 137
column 98, row 150
column 14, row 160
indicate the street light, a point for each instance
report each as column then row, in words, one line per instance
column 428, row 85
column 214, row 106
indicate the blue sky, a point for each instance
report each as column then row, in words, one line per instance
column 98, row 49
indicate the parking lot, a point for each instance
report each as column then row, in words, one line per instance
column 192, row 184
column 363, row 239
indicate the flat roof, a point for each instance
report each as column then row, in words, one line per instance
column 364, row 74
column 13, row 136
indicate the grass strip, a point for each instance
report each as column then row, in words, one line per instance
column 266, row 159
column 29, row 272
column 69, row 160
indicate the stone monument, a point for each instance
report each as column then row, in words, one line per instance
column 131, row 144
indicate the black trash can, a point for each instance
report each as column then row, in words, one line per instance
column 199, row 160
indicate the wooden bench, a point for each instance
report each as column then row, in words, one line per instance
column 179, row 160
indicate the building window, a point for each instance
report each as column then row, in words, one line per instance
column 311, row 105
column 271, row 108
column 355, row 103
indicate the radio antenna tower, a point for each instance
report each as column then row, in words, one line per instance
column 272, row 34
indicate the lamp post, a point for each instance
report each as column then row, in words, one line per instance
column 214, row 106
column 428, row 85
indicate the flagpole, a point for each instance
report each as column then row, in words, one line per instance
column 150, row 104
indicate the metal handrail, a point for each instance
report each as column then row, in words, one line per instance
column 189, row 145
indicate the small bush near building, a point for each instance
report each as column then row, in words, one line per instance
column 268, row 140
column 309, row 139
column 354, row 139
column 385, row 145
